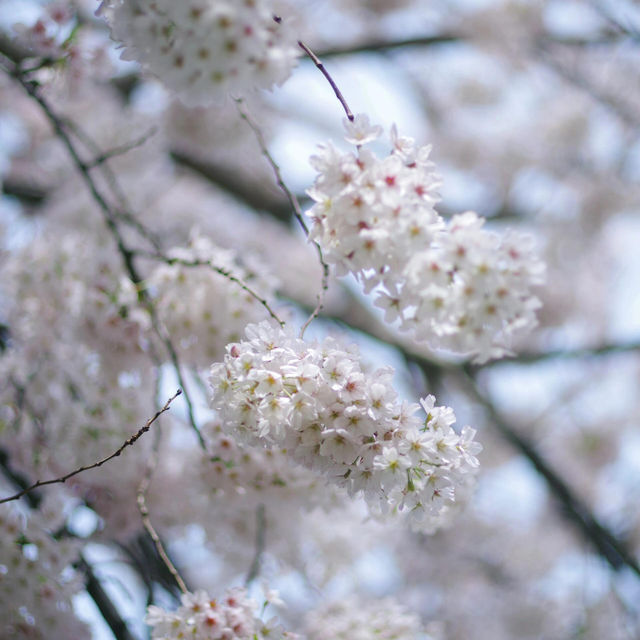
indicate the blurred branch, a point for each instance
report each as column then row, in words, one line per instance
column 110, row 217
column 525, row 357
column 295, row 206
column 27, row 192
column 613, row 550
column 237, row 185
column 445, row 38
column 95, row 590
column 261, row 528
column 107, row 609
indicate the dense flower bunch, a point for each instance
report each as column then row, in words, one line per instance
column 202, row 618
column 204, row 49
column 36, row 579
column 316, row 401
column 183, row 295
column 454, row 284
column 359, row 619
column 68, row 288
column 48, row 36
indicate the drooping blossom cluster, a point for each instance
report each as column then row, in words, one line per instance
column 356, row 618
column 36, row 578
column 205, row 49
column 317, row 401
column 201, row 617
column 202, row 309
column 453, row 284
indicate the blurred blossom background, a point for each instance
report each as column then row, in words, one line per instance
column 532, row 109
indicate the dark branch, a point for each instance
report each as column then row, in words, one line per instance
column 132, row 440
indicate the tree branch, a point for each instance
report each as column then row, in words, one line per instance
column 613, row 550
column 131, row 441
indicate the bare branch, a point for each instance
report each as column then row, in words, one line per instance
column 122, row 149
column 295, row 205
column 386, row 45
column 330, row 80
column 132, row 440
column 141, row 498
column 223, row 272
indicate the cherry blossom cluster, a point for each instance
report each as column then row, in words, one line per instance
column 453, row 284
column 47, row 36
column 355, row 618
column 202, row 309
column 205, row 49
column 36, row 579
column 316, row 401
column 203, row 618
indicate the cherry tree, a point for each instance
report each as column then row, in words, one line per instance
column 319, row 319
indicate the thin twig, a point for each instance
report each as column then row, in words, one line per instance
column 123, row 211
column 295, row 205
column 529, row 357
column 132, row 440
column 223, row 272
column 375, row 46
column 330, row 80
column 253, row 125
column 261, row 529
column 121, row 150
column 141, row 499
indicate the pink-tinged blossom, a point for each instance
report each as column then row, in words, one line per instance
column 451, row 284
column 347, row 424
column 232, row 617
column 205, row 49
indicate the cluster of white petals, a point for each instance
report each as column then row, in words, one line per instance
column 202, row 309
column 452, row 284
column 356, row 618
column 205, row 49
column 36, row 578
column 201, row 617
column 316, row 401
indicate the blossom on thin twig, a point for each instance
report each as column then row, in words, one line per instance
column 452, row 284
column 232, row 617
column 316, row 401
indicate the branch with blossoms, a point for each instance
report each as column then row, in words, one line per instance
column 297, row 420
